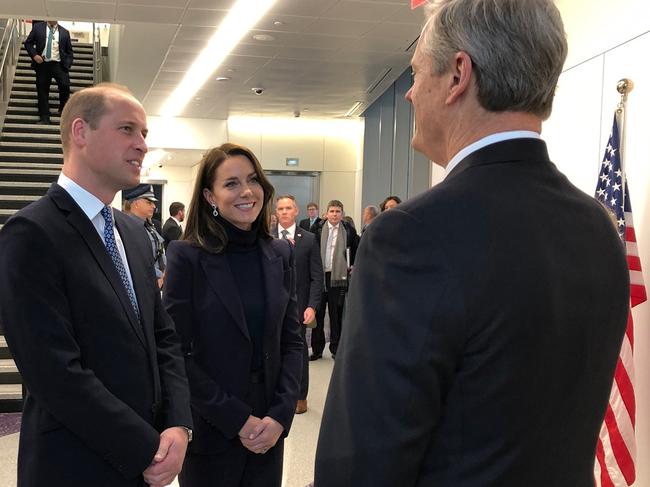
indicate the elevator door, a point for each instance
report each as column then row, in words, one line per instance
column 304, row 186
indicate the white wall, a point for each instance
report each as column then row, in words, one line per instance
column 331, row 147
column 608, row 42
column 186, row 133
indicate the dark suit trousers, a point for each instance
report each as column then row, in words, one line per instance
column 44, row 74
column 237, row 466
column 334, row 299
column 304, row 381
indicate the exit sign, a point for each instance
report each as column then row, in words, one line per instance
column 292, row 161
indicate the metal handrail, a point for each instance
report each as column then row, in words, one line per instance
column 97, row 56
column 12, row 42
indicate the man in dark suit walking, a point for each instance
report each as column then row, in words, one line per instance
column 107, row 400
column 311, row 223
column 309, row 278
column 172, row 229
column 50, row 47
column 480, row 341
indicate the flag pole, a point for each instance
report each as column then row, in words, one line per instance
column 624, row 87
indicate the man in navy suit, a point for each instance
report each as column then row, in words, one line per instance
column 50, row 47
column 107, row 399
column 309, row 278
column 485, row 316
column 311, row 223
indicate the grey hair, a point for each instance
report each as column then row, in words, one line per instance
column 373, row 210
column 517, row 47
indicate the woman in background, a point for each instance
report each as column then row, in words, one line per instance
column 230, row 289
column 389, row 203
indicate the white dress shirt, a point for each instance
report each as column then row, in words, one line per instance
column 291, row 230
column 92, row 207
column 331, row 245
column 55, row 43
column 488, row 140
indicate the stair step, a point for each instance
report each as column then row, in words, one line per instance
column 24, row 76
column 31, row 128
column 55, row 164
column 81, row 68
column 30, row 138
column 77, row 55
column 33, row 147
column 23, row 189
column 11, row 391
column 28, row 176
column 31, row 119
column 24, row 82
column 9, row 372
column 11, row 398
column 16, row 202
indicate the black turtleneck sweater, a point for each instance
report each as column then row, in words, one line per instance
column 244, row 258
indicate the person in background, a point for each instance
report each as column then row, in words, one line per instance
column 143, row 206
column 172, row 229
column 486, row 315
column 389, row 203
column 369, row 213
column 107, row 401
column 348, row 219
column 50, row 47
column 309, row 278
column 313, row 220
column 230, row 289
column 338, row 245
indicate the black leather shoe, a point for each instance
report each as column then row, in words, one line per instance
column 315, row 356
column 43, row 122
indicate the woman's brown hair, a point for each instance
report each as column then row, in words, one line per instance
column 202, row 228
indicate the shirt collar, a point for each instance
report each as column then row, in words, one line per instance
column 332, row 226
column 88, row 202
column 485, row 141
column 55, row 28
column 177, row 222
column 291, row 230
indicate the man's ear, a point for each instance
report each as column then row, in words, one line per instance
column 461, row 76
column 79, row 130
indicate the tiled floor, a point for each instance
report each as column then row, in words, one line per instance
column 299, row 450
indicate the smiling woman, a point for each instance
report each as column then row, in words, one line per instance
column 230, row 289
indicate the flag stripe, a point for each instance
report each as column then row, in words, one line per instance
column 614, row 465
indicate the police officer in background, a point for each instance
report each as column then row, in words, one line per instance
column 143, row 206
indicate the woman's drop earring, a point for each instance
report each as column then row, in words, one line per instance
column 215, row 213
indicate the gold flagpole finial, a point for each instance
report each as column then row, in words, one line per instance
column 624, row 86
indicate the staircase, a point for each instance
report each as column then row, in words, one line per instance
column 31, row 158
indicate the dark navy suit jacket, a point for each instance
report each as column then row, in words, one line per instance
column 37, row 38
column 484, row 323
column 201, row 296
column 101, row 385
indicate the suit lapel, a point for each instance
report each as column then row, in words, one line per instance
column 220, row 278
column 139, row 275
column 78, row 219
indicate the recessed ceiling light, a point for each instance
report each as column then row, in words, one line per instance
column 198, row 98
column 222, row 78
column 263, row 37
column 278, row 22
column 241, row 18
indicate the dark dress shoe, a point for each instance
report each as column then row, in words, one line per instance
column 43, row 122
column 301, row 406
column 315, row 356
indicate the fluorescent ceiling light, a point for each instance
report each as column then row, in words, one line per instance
column 242, row 17
column 353, row 108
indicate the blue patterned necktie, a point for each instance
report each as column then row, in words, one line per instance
column 50, row 39
column 111, row 247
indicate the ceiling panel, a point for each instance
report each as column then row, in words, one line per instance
column 141, row 13
column 325, row 53
column 367, row 11
column 204, row 18
column 102, row 12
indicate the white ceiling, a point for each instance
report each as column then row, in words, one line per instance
column 326, row 54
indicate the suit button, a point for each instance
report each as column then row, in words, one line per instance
column 267, row 356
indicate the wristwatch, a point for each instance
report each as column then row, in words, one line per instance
column 189, row 432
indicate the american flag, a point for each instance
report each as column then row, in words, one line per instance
column 616, row 450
